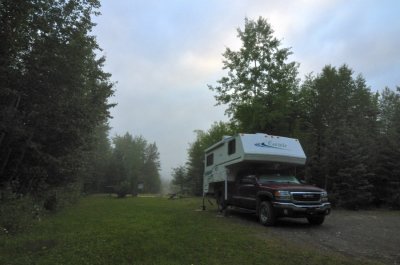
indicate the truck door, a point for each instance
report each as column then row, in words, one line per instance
column 247, row 190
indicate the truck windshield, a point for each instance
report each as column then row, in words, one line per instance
column 277, row 178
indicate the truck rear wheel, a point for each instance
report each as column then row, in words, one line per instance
column 266, row 214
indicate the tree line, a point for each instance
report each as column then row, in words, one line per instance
column 127, row 166
column 350, row 134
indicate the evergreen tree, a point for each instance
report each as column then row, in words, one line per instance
column 180, row 179
column 351, row 184
column 387, row 170
column 151, row 169
column 339, row 133
column 135, row 161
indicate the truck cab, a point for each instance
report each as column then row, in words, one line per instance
column 274, row 195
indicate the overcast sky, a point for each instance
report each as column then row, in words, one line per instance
column 162, row 54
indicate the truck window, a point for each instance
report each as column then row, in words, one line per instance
column 210, row 159
column 277, row 178
column 231, row 147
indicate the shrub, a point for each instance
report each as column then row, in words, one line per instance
column 17, row 212
column 60, row 197
column 122, row 189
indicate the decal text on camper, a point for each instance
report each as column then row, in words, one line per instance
column 271, row 144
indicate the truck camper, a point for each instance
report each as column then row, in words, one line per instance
column 257, row 172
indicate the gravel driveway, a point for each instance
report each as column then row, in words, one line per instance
column 373, row 235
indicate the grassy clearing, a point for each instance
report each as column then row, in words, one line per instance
column 106, row 230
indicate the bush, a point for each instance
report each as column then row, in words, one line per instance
column 58, row 198
column 122, row 189
column 17, row 212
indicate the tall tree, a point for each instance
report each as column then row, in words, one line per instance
column 387, row 166
column 135, row 161
column 54, row 89
column 151, row 169
column 340, row 128
column 180, row 179
column 260, row 85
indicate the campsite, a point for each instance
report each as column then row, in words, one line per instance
column 199, row 132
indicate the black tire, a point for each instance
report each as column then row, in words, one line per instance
column 316, row 220
column 266, row 214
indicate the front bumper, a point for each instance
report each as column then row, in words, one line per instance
column 292, row 209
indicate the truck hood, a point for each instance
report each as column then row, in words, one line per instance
column 292, row 187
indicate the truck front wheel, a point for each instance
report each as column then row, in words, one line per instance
column 266, row 214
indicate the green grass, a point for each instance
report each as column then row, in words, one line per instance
column 106, row 230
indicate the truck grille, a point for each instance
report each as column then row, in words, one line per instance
column 306, row 196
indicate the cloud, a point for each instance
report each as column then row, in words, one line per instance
column 361, row 34
column 164, row 53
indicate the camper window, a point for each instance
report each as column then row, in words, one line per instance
column 210, row 159
column 231, row 147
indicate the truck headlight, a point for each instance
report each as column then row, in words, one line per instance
column 324, row 196
column 282, row 195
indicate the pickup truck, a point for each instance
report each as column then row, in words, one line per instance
column 271, row 196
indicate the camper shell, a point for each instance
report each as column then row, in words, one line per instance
column 225, row 159
column 258, row 173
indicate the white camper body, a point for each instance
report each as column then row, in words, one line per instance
column 226, row 158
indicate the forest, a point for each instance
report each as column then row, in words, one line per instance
column 55, row 101
column 350, row 134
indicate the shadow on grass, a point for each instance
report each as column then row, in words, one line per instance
column 286, row 223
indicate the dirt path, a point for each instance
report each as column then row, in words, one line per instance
column 373, row 235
